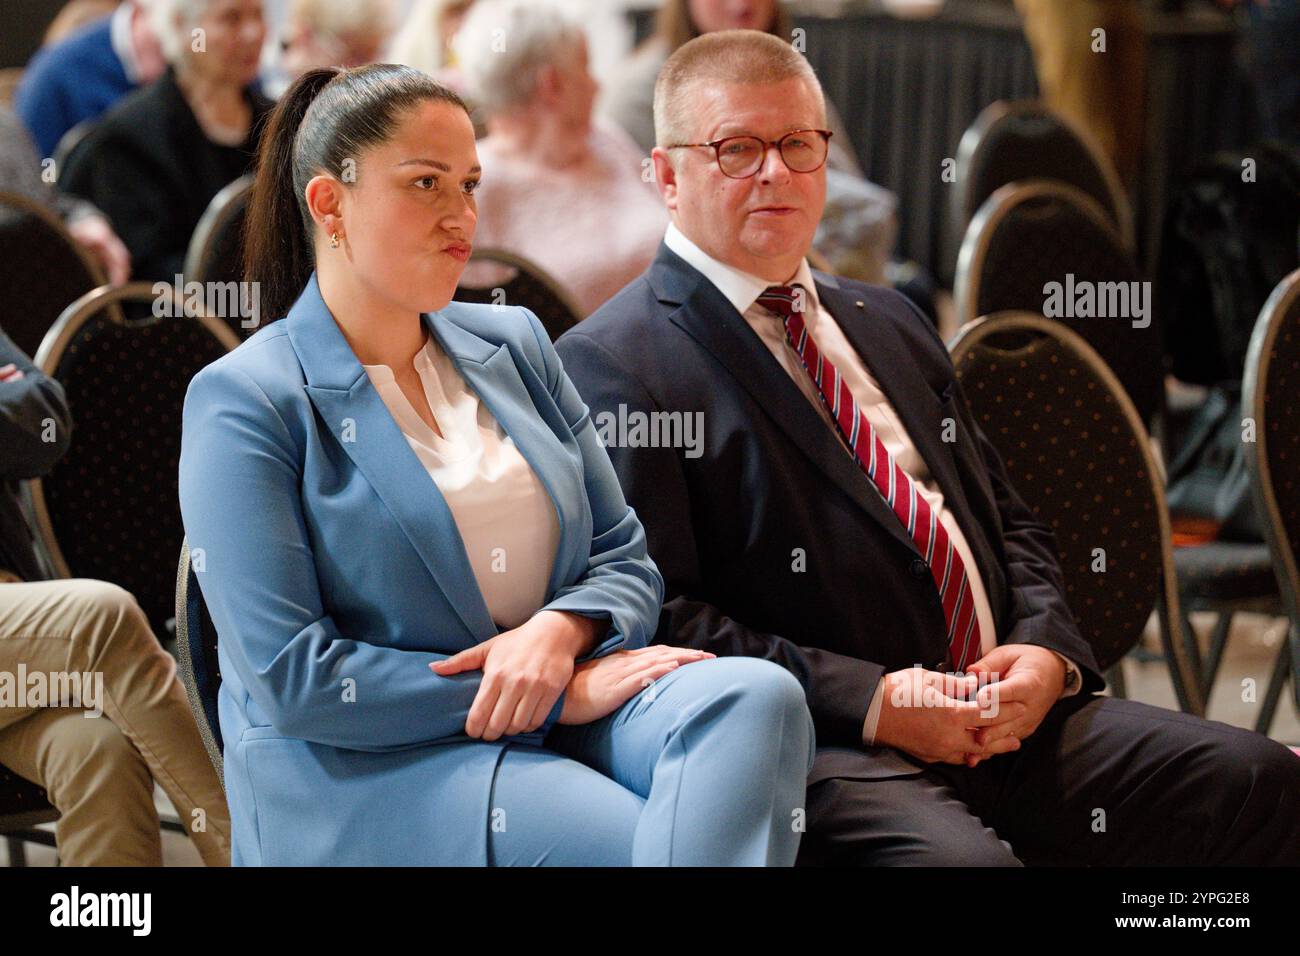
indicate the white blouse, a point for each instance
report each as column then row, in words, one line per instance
column 502, row 510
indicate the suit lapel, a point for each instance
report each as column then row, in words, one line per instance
column 360, row 421
column 707, row 316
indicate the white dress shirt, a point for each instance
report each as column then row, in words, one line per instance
column 503, row 512
column 742, row 290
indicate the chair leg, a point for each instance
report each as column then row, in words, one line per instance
column 1115, row 678
column 17, row 851
column 1218, row 641
column 1192, row 645
column 1184, row 667
column 1276, row 682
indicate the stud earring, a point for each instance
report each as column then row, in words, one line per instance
column 334, row 241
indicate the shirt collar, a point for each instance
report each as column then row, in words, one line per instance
column 739, row 288
column 119, row 33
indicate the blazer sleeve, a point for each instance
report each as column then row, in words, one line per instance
column 622, row 584
column 29, row 407
column 239, row 496
column 838, row 687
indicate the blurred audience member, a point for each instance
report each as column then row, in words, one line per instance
column 80, row 77
column 859, row 226
column 20, row 172
column 571, row 195
column 1103, row 92
column 424, row 40
column 329, row 33
column 156, row 160
column 126, row 722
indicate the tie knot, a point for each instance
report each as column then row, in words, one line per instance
column 785, row 300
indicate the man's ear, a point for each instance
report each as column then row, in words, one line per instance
column 324, row 195
column 665, row 176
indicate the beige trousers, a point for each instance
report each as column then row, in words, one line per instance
column 100, row 771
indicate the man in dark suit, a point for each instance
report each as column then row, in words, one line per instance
column 843, row 515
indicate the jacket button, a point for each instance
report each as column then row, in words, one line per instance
column 920, row 569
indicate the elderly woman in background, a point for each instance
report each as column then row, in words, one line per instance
column 859, row 225
column 155, row 161
column 571, row 195
column 321, row 33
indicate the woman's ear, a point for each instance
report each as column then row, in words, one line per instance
column 324, row 195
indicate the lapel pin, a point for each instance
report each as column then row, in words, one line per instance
column 859, row 304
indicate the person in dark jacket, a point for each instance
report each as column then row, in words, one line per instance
column 156, row 160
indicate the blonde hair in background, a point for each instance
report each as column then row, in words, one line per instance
column 344, row 18
column 728, row 56
column 673, row 24
column 419, row 41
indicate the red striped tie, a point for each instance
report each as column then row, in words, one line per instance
column 893, row 483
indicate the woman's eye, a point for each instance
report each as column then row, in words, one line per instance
column 427, row 182
column 472, row 185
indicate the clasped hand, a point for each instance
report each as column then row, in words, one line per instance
column 527, row 668
column 950, row 718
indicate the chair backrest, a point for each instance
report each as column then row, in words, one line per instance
column 1077, row 453
column 1271, row 398
column 196, row 657
column 216, row 250
column 496, row 277
column 109, row 509
column 1047, row 248
column 70, row 141
column 42, row 270
column 1016, row 141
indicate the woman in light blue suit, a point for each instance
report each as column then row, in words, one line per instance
column 433, row 603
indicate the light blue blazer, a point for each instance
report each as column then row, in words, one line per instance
column 335, row 574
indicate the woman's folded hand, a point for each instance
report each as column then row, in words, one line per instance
column 601, row 686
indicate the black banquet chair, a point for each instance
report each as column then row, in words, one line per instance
column 1272, row 398
column 109, row 509
column 1022, row 140
column 42, row 270
column 216, row 250
column 1027, row 235
column 496, row 277
column 196, row 657
column 1077, row 452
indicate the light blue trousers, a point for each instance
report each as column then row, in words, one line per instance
column 706, row 767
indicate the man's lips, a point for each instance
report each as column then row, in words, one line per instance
column 773, row 211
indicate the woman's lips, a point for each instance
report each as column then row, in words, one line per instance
column 459, row 252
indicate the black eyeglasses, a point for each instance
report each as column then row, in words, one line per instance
column 740, row 157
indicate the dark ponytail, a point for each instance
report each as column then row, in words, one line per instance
column 323, row 121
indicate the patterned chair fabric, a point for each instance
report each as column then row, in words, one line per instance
column 42, row 270
column 1031, row 234
column 1075, row 451
column 109, row 508
column 1017, row 141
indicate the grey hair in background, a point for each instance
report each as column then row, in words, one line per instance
column 503, row 45
column 173, row 21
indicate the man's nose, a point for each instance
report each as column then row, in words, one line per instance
column 774, row 168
